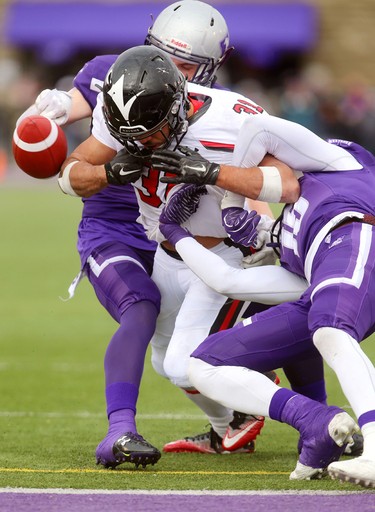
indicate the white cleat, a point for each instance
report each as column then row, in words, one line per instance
column 342, row 428
column 325, row 444
column 302, row 472
column 360, row 471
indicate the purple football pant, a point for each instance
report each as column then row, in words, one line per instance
column 120, row 276
column 343, row 296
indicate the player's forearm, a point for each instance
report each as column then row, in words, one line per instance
column 85, row 179
column 80, row 109
column 245, row 181
column 253, row 183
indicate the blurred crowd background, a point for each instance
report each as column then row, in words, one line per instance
column 310, row 62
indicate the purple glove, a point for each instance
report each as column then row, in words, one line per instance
column 241, row 225
column 174, row 232
column 181, row 205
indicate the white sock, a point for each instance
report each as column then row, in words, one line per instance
column 237, row 388
column 218, row 415
column 368, row 432
column 353, row 368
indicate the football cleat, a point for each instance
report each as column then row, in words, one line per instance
column 242, row 430
column 208, row 442
column 129, row 447
column 360, row 471
column 354, row 449
column 324, row 435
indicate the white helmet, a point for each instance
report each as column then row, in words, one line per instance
column 195, row 32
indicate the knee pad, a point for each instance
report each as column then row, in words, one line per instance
column 177, row 371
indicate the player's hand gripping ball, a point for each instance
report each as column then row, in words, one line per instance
column 39, row 146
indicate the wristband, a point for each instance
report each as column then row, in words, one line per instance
column 64, row 180
column 272, row 187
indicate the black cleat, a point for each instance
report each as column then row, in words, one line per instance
column 131, row 448
column 355, row 448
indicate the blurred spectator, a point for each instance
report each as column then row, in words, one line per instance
column 306, row 94
column 298, row 103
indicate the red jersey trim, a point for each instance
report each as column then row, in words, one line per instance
column 217, row 146
column 227, row 316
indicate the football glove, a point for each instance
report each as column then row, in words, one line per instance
column 188, row 166
column 54, row 104
column 241, row 225
column 174, row 232
column 263, row 256
column 264, row 253
column 182, row 204
column 124, row 168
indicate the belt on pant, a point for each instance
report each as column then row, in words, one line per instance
column 172, row 254
column 367, row 219
column 246, row 251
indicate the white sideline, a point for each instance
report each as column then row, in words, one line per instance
column 23, row 490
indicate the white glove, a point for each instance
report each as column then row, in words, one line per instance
column 31, row 111
column 264, row 231
column 264, row 255
column 54, row 104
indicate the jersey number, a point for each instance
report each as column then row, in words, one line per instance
column 150, row 183
column 292, row 220
column 247, row 107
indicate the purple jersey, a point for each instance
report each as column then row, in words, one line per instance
column 89, row 80
column 115, row 207
column 325, row 197
column 342, row 270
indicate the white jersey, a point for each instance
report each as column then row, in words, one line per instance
column 291, row 143
column 212, row 131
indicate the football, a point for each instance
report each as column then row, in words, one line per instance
column 39, row 147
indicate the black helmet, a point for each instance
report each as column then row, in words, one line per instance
column 143, row 90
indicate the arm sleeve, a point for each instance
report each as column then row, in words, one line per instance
column 291, row 143
column 269, row 284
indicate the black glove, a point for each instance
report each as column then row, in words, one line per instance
column 188, row 165
column 125, row 168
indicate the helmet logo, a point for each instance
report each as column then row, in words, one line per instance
column 116, row 92
column 177, row 43
column 128, row 105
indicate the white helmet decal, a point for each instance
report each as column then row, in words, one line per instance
column 116, row 92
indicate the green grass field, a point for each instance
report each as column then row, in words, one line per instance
column 52, row 409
